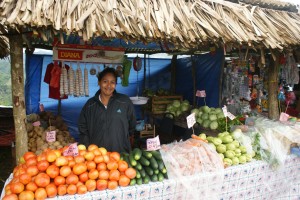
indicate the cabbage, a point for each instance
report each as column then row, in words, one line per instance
column 184, row 107
column 220, row 115
column 200, row 121
column 212, row 117
column 206, row 123
column 204, row 116
column 196, row 111
column 221, row 148
column 214, row 125
column 218, row 110
column 206, row 109
column 176, row 103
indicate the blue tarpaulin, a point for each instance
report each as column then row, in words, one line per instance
column 158, row 75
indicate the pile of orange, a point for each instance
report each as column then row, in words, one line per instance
column 50, row 173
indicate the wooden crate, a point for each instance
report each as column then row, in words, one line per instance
column 159, row 103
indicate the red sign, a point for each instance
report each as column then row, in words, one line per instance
column 69, row 54
column 201, row 93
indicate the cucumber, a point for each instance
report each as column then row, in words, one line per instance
column 138, row 166
column 137, row 153
column 149, row 171
column 164, row 170
column 139, row 181
column 146, row 179
column 156, row 155
column 156, row 171
column 153, row 163
column 138, row 174
column 165, row 176
column 126, row 159
column 132, row 160
column 144, row 161
column 132, row 181
column 161, row 164
column 160, row 177
column 147, row 154
column 142, row 172
column 154, row 178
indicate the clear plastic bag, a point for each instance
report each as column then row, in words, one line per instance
column 195, row 166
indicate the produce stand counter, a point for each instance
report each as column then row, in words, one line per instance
column 254, row 180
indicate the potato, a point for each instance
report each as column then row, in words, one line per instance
column 29, row 127
column 59, row 147
column 56, row 143
column 30, row 134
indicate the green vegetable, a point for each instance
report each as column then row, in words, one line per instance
column 138, row 166
column 138, row 174
column 160, row 164
column 213, row 125
column 137, row 153
column 229, row 154
column 212, row 117
column 147, row 154
column 235, row 161
column 221, row 155
column 160, row 177
column 142, row 172
column 144, row 161
column 132, row 160
column 216, row 141
column 242, row 159
column 230, row 146
column 153, row 163
column 227, row 161
column 227, row 139
column 139, row 181
column 154, row 178
column 156, row 155
column 146, row 179
column 221, row 148
column 149, row 171
column 202, row 136
column 132, row 182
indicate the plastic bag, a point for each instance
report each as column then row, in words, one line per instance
column 195, row 166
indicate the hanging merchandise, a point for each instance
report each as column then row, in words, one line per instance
column 80, row 81
column 126, row 71
column 119, row 71
column 55, row 74
column 71, row 80
column 65, row 80
column 290, row 70
column 86, row 82
column 77, row 83
column 61, row 85
column 93, row 70
column 137, row 63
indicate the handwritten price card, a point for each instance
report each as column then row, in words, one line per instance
column 51, row 136
column 72, row 150
column 225, row 111
column 191, row 120
column 153, row 144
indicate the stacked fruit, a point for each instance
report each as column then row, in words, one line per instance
column 149, row 166
column 50, row 173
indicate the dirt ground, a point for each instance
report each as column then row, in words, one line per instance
column 6, row 165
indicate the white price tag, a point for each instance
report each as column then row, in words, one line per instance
column 225, row 111
column 153, row 144
column 201, row 93
column 283, row 117
column 191, row 120
column 51, row 136
column 72, row 150
column 230, row 115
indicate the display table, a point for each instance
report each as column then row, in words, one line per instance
column 254, row 180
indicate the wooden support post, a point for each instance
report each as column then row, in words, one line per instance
column 273, row 86
column 17, row 86
column 173, row 74
column 194, row 80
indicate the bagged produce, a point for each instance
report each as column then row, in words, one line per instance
column 196, row 166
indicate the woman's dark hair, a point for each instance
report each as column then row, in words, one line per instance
column 107, row 70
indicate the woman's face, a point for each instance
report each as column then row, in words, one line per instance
column 108, row 84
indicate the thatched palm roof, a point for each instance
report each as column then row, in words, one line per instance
column 4, row 43
column 185, row 24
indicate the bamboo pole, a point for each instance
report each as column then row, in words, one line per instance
column 273, row 87
column 173, row 74
column 17, row 79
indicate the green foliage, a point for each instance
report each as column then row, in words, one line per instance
column 5, row 83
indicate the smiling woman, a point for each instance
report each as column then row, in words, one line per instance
column 107, row 119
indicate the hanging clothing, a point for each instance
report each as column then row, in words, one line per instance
column 52, row 77
column 290, row 70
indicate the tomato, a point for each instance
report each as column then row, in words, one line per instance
column 71, row 189
column 65, row 171
column 114, row 156
column 122, row 165
column 91, row 185
column 71, row 163
column 98, row 159
column 72, row 179
column 51, row 190
column 40, row 194
column 101, row 184
column 79, row 168
column 52, row 171
column 106, row 158
column 112, row 165
column 10, row 197
column 62, row 190
column 31, row 161
column 81, row 189
column 16, row 188
column 89, row 155
column 104, row 175
column 114, row 175
column 93, row 174
column 112, row 185
column 130, row 173
column 124, row 181
column 59, row 180
column 51, row 156
column 92, row 147
column 79, row 159
column 101, row 166
column 82, row 152
column 61, row 161
column 91, row 165
column 26, row 195
column 42, row 165
column 28, row 155
column 25, row 178
column 84, row 177
column 32, row 170
column 96, row 152
column 42, row 180
column 31, row 186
